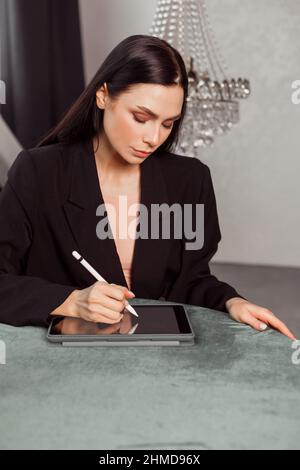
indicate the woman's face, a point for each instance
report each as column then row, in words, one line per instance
column 128, row 125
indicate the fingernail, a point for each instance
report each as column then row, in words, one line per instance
column 262, row 326
column 131, row 292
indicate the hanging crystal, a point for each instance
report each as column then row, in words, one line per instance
column 212, row 102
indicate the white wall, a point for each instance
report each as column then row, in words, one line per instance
column 255, row 167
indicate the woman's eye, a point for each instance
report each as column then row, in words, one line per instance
column 138, row 120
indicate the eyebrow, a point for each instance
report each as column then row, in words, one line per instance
column 155, row 115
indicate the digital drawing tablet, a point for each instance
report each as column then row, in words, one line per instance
column 156, row 325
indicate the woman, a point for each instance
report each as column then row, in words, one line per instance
column 50, row 204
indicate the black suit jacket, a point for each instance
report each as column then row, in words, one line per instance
column 48, row 209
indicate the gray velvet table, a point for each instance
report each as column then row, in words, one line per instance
column 234, row 389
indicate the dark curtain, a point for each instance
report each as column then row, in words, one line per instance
column 42, row 64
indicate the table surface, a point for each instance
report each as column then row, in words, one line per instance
column 234, row 389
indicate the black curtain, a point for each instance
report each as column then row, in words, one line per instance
column 42, row 65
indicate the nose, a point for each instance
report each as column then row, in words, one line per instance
column 152, row 139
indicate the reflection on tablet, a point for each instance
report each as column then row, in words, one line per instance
column 130, row 332
column 153, row 319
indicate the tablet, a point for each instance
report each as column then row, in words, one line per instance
column 156, row 325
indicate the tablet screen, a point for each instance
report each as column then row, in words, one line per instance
column 152, row 319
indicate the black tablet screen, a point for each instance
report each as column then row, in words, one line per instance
column 152, row 319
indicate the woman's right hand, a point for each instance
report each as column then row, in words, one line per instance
column 100, row 303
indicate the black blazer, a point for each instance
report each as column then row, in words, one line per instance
column 48, row 209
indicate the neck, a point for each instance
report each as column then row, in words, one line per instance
column 109, row 161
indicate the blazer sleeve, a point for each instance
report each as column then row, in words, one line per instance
column 24, row 300
column 195, row 284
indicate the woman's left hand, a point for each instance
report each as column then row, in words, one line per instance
column 259, row 318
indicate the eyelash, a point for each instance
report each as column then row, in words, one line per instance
column 143, row 122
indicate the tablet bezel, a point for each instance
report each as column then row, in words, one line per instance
column 181, row 316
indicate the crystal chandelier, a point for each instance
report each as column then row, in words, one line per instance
column 212, row 102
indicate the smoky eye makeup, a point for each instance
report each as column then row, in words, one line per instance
column 143, row 121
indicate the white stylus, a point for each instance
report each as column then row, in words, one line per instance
column 97, row 276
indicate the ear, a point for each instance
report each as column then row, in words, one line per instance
column 101, row 96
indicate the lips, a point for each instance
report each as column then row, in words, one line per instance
column 141, row 151
column 140, row 154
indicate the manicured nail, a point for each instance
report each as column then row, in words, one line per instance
column 262, row 326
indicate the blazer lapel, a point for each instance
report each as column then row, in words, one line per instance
column 149, row 257
column 150, row 254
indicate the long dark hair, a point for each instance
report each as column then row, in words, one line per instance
column 137, row 59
